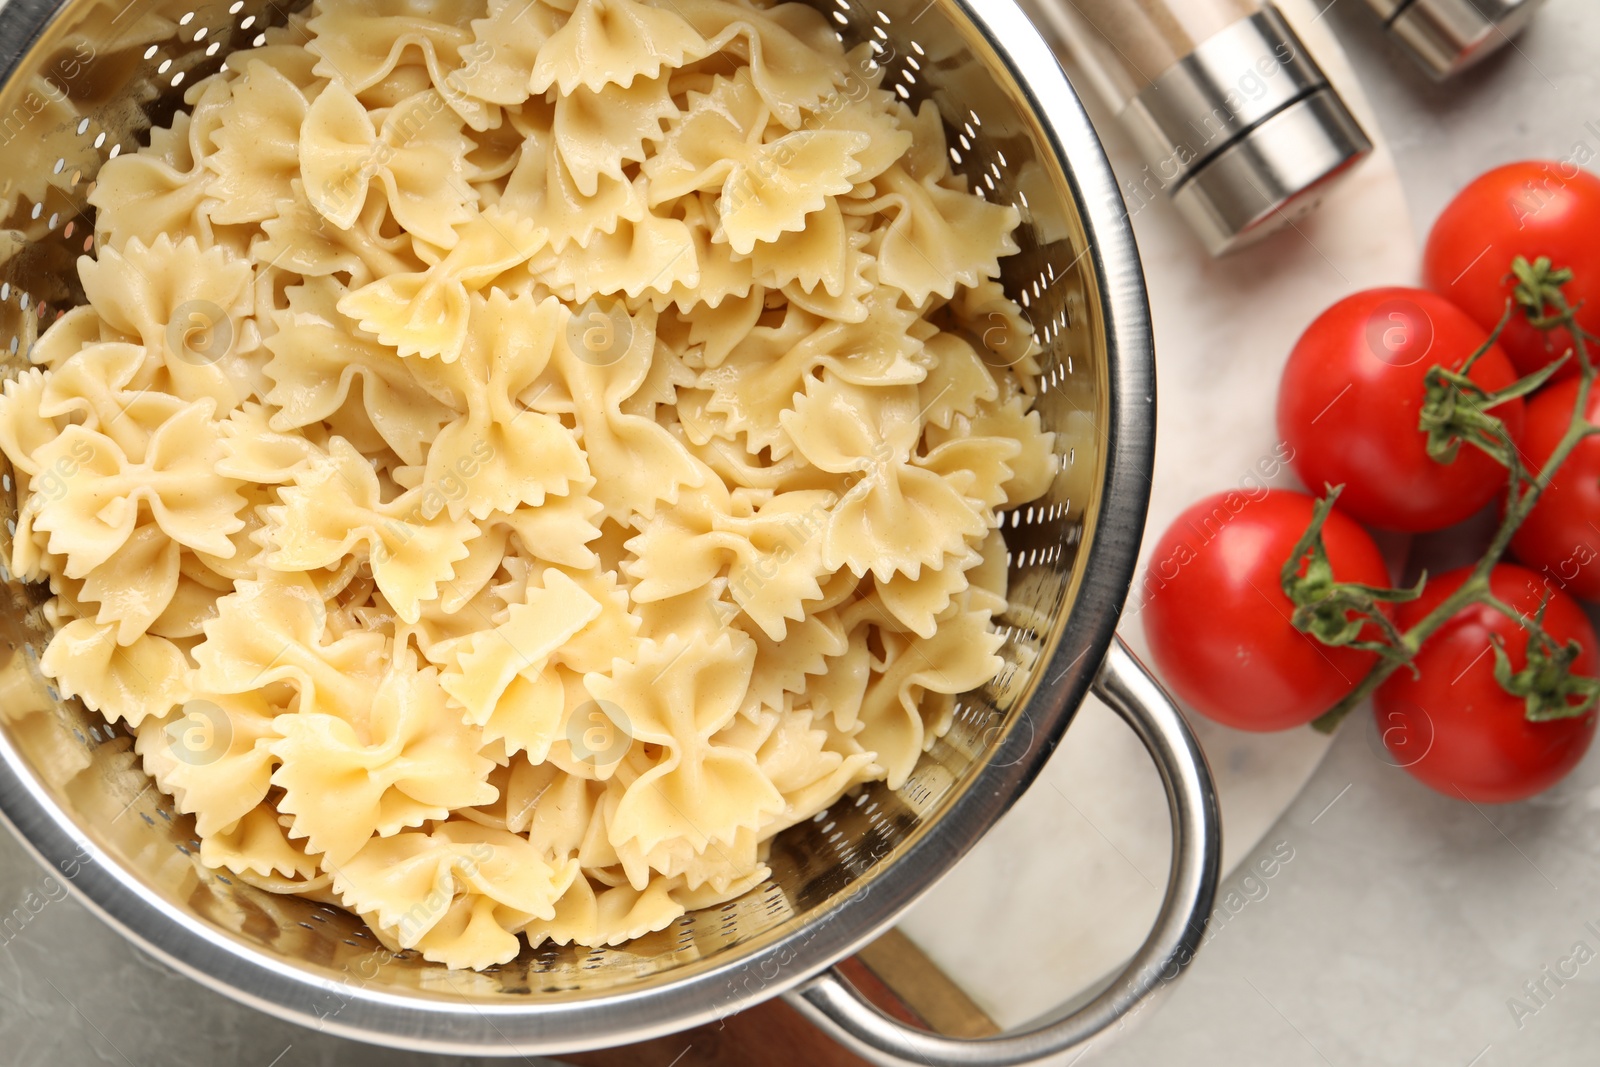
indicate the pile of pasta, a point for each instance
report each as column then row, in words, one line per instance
column 508, row 468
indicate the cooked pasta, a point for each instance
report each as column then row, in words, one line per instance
column 514, row 459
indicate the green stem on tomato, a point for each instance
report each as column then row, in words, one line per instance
column 1523, row 494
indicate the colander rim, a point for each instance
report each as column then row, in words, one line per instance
column 1108, row 556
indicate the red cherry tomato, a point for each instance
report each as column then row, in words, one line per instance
column 1561, row 537
column 1349, row 401
column 1217, row 619
column 1528, row 209
column 1452, row 726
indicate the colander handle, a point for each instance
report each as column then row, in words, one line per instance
column 835, row 1006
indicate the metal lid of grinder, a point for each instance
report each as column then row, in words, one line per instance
column 1248, row 131
column 1447, row 36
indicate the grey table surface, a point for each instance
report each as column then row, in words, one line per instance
column 1402, row 930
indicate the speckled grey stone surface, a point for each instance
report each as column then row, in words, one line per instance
column 1397, row 933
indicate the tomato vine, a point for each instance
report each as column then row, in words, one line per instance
column 1457, row 412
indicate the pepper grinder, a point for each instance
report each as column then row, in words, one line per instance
column 1447, row 36
column 1238, row 126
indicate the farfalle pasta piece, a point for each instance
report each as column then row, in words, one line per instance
column 613, row 42
column 299, row 240
column 317, row 360
column 634, row 461
column 824, row 257
column 258, row 145
column 917, row 603
column 789, row 666
column 648, row 255
column 418, row 155
column 677, row 695
column 335, row 509
column 105, row 387
column 360, row 42
column 598, row 132
column 22, row 429
column 404, row 762
column 135, row 587
column 610, row 917
column 504, row 454
column 772, row 190
column 939, row 237
column 174, row 482
column 960, row 656
column 701, row 147
column 425, row 314
column 130, row 683
column 257, row 848
column 772, row 553
column 189, row 306
column 500, row 678
column 896, row 517
column 143, row 195
column 560, row 529
column 498, row 64
column 795, row 61
column 273, row 630
column 458, row 895
column 217, row 757
column 759, row 380
column 542, row 190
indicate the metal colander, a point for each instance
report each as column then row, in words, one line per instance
column 86, row 79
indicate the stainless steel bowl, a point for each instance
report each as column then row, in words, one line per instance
column 82, row 80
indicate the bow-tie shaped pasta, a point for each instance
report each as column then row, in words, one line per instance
column 504, row 454
column 760, row 379
column 798, row 759
column 649, row 255
column 274, row 630
column 131, row 682
column 542, row 189
column 634, row 460
column 163, row 190
column 258, row 145
column 500, row 59
column 500, row 678
column 190, row 307
column 678, row 695
column 790, row 664
column 419, row 155
column 612, row 42
column 136, row 586
column 105, row 387
column 794, row 59
column 610, row 917
column 960, row 656
column 772, row 552
column 898, row 517
column 23, row 428
column 361, row 42
column 401, row 762
column 257, row 849
column 599, row 132
column 768, row 188
column 458, row 895
column 335, row 509
column 317, row 359
column 299, row 240
column 426, row 314
column 97, row 510
column 218, row 788
column 940, row 237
